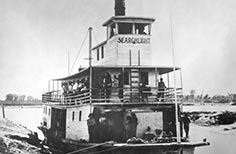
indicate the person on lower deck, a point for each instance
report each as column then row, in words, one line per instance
column 104, row 129
column 186, row 121
column 148, row 134
column 91, row 122
column 131, row 125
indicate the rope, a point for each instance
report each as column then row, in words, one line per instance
column 79, row 52
column 81, row 150
column 105, row 150
column 95, row 38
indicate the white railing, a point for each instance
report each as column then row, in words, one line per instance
column 151, row 94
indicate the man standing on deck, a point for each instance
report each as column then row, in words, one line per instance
column 161, row 90
column 131, row 125
column 186, row 122
column 91, row 122
column 107, row 85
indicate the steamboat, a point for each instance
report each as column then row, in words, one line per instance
column 119, row 104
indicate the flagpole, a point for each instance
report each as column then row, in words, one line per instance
column 175, row 92
column 90, row 67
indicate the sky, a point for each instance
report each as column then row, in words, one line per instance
column 37, row 35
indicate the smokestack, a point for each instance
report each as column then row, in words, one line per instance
column 119, row 7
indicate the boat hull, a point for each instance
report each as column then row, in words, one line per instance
column 59, row 145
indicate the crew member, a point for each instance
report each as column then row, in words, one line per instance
column 186, row 121
column 161, row 90
column 131, row 125
column 91, row 127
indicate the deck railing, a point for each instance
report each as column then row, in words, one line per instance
column 151, row 94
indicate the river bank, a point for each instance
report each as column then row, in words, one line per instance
column 16, row 138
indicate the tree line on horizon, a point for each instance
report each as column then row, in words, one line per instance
column 14, row 98
column 192, row 97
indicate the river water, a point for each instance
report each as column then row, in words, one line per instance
column 222, row 142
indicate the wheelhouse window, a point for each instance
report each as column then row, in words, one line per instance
column 142, row 29
column 111, row 30
column 124, row 28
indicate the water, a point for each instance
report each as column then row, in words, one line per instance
column 221, row 142
column 209, row 107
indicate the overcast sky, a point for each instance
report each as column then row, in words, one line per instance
column 36, row 36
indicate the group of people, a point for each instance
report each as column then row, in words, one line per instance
column 100, row 128
column 117, row 82
column 109, row 82
column 149, row 135
column 75, row 87
column 103, row 127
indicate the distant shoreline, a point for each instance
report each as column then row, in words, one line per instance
column 21, row 103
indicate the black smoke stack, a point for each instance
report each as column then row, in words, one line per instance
column 119, row 7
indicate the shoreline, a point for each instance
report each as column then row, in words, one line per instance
column 16, row 138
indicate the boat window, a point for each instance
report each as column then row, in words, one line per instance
column 97, row 53
column 73, row 115
column 124, row 28
column 144, row 78
column 102, row 52
column 126, row 78
column 46, row 110
column 80, row 115
column 142, row 29
column 49, row 111
column 111, row 30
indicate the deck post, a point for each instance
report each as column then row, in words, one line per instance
column 139, row 58
column 174, row 70
column 90, row 67
column 3, row 110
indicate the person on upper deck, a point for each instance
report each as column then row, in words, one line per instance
column 161, row 90
column 107, row 84
column 144, row 92
column 120, row 86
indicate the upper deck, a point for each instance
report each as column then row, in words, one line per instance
column 126, row 84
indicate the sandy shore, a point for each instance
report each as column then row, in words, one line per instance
column 14, row 139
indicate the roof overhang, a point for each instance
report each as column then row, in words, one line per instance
column 129, row 19
column 161, row 69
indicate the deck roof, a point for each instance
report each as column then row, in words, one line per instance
column 161, row 69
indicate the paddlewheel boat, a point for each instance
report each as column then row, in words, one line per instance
column 119, row 104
